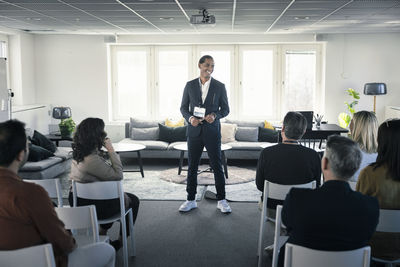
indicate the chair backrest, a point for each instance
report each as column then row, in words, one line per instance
column 389, row 221
column 77, row 218
column 300, row 256
column 352, row 185
column 52, row 186
column 41, row 255
column 279, row 191
column 99, row 190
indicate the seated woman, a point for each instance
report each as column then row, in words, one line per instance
column 382, row 180
column 89, row 165
column 364, row 128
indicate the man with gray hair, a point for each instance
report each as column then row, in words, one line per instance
column 288, row 162
column 332, row 217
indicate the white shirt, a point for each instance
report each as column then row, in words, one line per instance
column 204, row 89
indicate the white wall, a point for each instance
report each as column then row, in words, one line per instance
column 71, row 70
column 355, row 59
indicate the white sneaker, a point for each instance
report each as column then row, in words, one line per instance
column 188, row 205
column 224, row 206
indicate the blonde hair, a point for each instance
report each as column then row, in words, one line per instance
column 365, row 130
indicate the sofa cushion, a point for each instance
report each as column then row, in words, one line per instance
column 172, row 134
column 248, row 134
column 150, row 145
column 41, row 165
column 63, row 153
column 267, row 135
column 228, row 131
column 242, row 123
column 140, row 123
column 245, row 145
column 38, row 153
column 171, row 146
column 41, row 140
column 151, row 133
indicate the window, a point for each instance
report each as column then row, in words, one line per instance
column 131, row 92
column 173, row 73
column 257, row 86
column 262, row 81
column 3, row 49
column 300, row 80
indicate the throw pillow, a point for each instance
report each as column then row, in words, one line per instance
column 267, row 135
column 141, row 123
column 228, row 131
column 37, row 153
column 41, row 140
column 145, row 133
column 172, row 134
column 268, row 125
column 174, row 123
column 248, row 134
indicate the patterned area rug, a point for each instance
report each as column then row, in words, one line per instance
column 236, row 175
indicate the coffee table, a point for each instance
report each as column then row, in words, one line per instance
column 128, row 147
column 183, row 148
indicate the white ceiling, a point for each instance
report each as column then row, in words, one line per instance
column 171, row 16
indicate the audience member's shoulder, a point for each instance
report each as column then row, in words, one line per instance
column 33, row 188
column 295, row 191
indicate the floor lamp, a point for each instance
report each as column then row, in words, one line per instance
column 375, row 89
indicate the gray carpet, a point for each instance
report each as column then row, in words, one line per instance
column 246, row 192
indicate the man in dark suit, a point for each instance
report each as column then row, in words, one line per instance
column 332, row 217
column 204, row 103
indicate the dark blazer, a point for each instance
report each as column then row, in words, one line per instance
column 332, row 217
column 215, row 102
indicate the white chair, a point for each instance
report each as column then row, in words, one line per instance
column 108, row 190
column 352, row 185
column 300, row 256
column 279, row 239
column 41, row 255
column 52, row 186
column 81, row 218
column 389, row 221
column 278, row 192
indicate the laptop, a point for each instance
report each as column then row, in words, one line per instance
column 309, row 117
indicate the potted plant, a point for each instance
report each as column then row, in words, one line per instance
column 67, row 126
column 345, row 118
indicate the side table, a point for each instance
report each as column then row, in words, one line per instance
column 57, row 138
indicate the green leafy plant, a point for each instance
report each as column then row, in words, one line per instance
column 344, row 117
column 67, row 126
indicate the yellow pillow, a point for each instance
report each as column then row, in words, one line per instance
column 172, row 123
column 268, row 125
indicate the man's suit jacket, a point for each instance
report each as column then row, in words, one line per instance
column 216, row 102
column 332, row 217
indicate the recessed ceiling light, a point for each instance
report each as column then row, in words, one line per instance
column 166, row 18
column 146, row 0
column 393, row 22
column 302, row 18
column 37, row 19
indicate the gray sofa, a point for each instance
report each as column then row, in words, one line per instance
column 241, row 149
column 48, row 168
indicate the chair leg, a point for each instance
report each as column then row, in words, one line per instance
column 132, row 251
column 124, row 243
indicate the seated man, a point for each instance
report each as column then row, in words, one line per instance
column 27, row 215
column 332, row 217
column 288, row 162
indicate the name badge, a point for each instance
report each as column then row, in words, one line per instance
column 199, row 112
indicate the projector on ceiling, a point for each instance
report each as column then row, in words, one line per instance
column 202, row 18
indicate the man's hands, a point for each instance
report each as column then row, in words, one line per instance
column 210, row 118
column 195, row 121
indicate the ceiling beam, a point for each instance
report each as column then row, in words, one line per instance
column 233, row 14
column 140, row 16
column 283, row 12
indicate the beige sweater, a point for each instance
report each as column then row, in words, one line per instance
column 378, row 183
column 95, row 168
